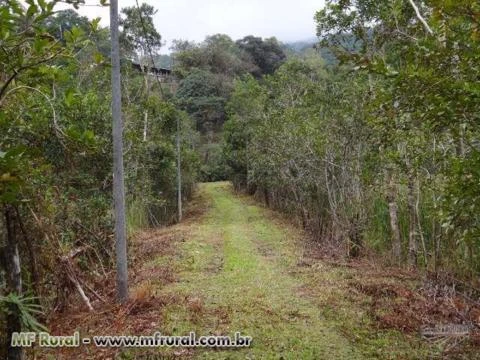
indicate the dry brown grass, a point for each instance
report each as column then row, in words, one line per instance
column 143, row 313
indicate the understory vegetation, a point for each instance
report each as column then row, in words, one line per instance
column 56, row 154
column 377, row 151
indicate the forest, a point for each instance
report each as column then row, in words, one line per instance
column 378, row 150
column 365, row 139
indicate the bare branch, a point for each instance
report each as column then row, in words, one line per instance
column 420, row 17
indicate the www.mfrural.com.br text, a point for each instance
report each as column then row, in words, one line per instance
column 44, row 339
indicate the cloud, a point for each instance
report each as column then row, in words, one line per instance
column 195, row 19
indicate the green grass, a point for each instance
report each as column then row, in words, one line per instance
column 136, row 216
column 238, row 272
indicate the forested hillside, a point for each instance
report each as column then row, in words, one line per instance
column 206, row 74
column 367, row 139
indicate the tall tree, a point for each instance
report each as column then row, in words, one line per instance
column 139, row 35
column 266, row 54
column 65, row 21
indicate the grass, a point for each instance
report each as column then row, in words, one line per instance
column 136, row 217
column 232, row 265
column 238, row 271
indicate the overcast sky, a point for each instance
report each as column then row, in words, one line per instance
column 194, row 19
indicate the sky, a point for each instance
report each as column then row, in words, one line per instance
column 195, row 19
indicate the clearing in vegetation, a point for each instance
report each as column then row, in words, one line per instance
column 236, row 266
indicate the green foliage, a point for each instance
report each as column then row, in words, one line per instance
column 138, row 31
column 208, row 71
column 65, row 21
column 151, row 165
column 56, row 150
column 266, row 54
column 10, row 164
column 25, row 308
column 213, row 167
column 245, row 110
column 199, row 83
column 459, row 206
column 388, row 132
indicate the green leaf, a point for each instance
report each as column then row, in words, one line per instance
column 39, row 44
column 25, row 307
column 42, row 4
column 69, row 97
column 16, row 7
column 98, row 58
column 95, row 24
column 32, row 10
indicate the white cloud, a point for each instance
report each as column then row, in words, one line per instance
column 195, row 19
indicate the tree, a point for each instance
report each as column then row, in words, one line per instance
column 55, row 163
column 139, row 36
column 378, row 149
column 244, row 113
column 200, row 93
column 65, row 21
column 266, row 54
column 207, row 72
column 27, row 52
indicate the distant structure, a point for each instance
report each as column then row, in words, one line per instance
column 163, row 73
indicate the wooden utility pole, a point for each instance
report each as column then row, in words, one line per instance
column 118, row 181
column 179, row 173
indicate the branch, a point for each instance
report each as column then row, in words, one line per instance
column 69, row 268
column 420, row 17
column 84, row 297
column 58, row 131
column 5, row 86
column 25, row 67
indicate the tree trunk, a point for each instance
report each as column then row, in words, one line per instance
column 393, row 212
column 145, row 125
column 355, row 243
column 32, row 259
column 412, row 227
column 145, row 113
column 419, row 224
column 179, row 173
column 461, row 151
column 14, row 282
